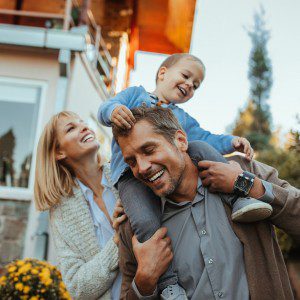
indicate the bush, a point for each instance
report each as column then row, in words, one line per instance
column 287, row 163
column 32, row 279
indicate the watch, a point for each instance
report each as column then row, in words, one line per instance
column 243, row 184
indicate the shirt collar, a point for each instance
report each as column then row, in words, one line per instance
column 86, row 190
column 104, row 181
column 198, row 197
column 155, row 100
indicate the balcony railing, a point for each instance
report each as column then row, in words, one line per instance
column 98, row 54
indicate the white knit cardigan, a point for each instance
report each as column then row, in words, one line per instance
column 87, row 270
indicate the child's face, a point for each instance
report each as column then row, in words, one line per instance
column 178, row 83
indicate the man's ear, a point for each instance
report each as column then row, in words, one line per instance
column 60, row 155
column 161, row 73
column 181, row 140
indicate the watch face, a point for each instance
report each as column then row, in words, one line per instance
column 242, row 184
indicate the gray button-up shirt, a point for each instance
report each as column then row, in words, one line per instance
column 216, row 270
column 208, row 256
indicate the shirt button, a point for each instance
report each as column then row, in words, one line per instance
column 220, row 294
column 203, row 231
column 210, row 261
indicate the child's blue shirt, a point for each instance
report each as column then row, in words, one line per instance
column 136, row 96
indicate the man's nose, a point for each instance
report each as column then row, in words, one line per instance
column 143, row 165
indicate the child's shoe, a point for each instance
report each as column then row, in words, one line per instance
column 173, row 292
column 246, row 210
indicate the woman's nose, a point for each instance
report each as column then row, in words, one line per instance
column 84, row 127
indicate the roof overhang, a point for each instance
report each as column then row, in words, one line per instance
column 42, row 38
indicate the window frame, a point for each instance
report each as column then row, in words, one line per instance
column 19, row 193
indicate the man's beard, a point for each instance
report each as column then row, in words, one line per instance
column 174, row 182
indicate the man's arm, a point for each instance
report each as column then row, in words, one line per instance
column 286, row 203
column 127, row 262
column 142, row 263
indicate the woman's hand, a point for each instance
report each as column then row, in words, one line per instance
column 118, row 217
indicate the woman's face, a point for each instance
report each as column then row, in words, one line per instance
column 76, row 140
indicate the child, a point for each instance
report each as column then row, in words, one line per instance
column 177, row 79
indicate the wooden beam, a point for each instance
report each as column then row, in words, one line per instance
column 67, row 16
column 32, row 14
column 83, row 17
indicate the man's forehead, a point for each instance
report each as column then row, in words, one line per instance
column 141, row 134
column 141, row 129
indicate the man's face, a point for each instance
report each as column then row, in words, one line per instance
column 153, row 160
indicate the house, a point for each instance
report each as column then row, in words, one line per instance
column 66, row 55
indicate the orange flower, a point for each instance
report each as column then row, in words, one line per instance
column 19, row 286
column 12, row 269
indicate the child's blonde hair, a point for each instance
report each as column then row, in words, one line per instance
column 174, row 58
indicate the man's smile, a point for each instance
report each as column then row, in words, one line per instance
column 156, row 175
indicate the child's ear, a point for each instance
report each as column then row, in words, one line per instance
column 161, row 73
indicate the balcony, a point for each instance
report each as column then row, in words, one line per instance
column 64, row 24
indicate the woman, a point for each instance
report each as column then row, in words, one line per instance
column 72, row 184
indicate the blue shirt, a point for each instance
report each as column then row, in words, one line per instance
column 136, row 96
column 103, row 229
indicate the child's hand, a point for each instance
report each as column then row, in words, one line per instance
column 122, row 117
column 243, row 145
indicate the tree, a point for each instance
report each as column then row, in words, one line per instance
column 254, row 121
column 293, row 142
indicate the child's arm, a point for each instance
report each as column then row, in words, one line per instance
column 221, row 142
column 125, row 98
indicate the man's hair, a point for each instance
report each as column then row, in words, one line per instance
column 163, row 122
column 174, row 58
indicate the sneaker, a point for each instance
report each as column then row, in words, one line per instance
column 173, row 292
column 247, row 210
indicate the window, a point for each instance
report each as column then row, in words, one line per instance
column 19, row 112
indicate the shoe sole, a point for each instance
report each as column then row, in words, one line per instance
column 252, row 213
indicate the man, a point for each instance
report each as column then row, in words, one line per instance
column 214, row 258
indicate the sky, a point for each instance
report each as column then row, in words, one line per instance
column 220, row 40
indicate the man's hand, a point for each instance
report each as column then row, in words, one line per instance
column 122, row 117
column 219, row 177
column 153, row 258
column 243, row 145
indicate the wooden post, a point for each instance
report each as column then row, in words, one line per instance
column 97, row 43
column 83, row 18
column 67, row 17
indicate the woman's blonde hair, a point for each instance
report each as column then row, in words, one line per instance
column 53, row 180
